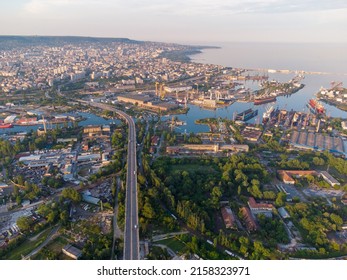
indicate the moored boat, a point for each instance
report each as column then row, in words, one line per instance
column 263, row 100
column 268, row 114
column 6, row 125
column 246, row 115
column 316, row 107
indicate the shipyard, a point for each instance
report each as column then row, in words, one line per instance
column 335, row 95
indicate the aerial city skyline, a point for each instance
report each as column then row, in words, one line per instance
column 181, row 130
column 180, row 21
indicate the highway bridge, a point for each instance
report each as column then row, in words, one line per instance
column 131, row 234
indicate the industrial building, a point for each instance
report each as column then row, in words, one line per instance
column 88, row 157
column 260, row 208
column 344, row 125
column 248, row 218
column 228, row 217
column 251, row 134
column 72, row 252
column 283, row 212
column 329, row 179
column 287, row 175
column 90, row 199
column 205, row 148
column 147, row 102
column 317, row 141
column 94, row 129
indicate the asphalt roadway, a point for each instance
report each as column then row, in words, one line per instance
column 131, row 234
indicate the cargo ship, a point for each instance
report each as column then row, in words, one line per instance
column 246, row 115
column 316, row 107
column 262, row 100
column 6, row 125
column 268, row 114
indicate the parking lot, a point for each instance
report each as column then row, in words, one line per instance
column 293, row 192
column 315, row 191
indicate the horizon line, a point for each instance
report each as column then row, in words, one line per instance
column 173, row 42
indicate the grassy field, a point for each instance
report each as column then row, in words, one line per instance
column 192, row 168
column 28, row 246
column 174, row 243
column 57, row 244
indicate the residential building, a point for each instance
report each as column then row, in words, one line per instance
column 330, row 179
column 260, row 208
column 72, row 252
column 287, row 175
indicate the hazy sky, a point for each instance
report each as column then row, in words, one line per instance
column 180, row 20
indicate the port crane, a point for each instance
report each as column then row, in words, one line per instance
column 197, row 89
column 156, row 89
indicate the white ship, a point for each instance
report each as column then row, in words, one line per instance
column 267, row 114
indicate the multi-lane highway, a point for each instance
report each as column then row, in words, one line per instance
column 131, row 234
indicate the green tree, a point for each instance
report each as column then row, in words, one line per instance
column 51, row 217
column 260, row 252
column 336, row 219
column 318, row 161
column 281, row 196
column 64, row 217
column 24, row 223
column 148, row 211
column 244, row 245
column 216, row 194
column 18, row 200
column 71, row 194
column 15, row 191
column 269, row 195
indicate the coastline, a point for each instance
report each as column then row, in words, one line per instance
column 336, row 104
column 184, row 56
column 316, row 74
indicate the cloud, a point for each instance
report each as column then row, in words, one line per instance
column 224, row 7
column 294, row 5
column 189, row 7
column 42, row 6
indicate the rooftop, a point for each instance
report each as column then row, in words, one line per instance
column 253, row 204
